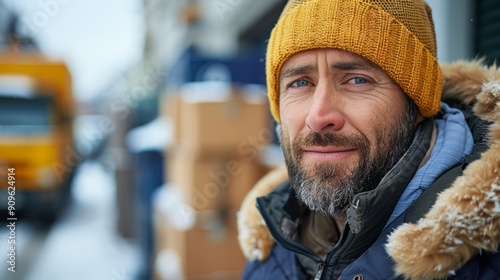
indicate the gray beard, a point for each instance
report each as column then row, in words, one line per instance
column 321, row 188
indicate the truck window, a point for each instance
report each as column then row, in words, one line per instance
column 25, row 115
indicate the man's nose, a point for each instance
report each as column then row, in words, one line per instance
column 326, row 111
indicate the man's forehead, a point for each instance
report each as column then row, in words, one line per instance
column 307, row 61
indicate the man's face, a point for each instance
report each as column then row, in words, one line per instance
column 345, row 123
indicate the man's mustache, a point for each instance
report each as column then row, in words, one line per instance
column 330, row 139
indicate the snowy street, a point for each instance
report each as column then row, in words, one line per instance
column 83, row 244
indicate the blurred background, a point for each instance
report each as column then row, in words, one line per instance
column 133, row 129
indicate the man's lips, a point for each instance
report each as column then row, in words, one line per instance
column 328, row 152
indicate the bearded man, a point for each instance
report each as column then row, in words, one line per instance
column 370, row 137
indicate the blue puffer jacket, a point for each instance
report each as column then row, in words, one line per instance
column 453, row 235
column 283, row 265
column 374, row 264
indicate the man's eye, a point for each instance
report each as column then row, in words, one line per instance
column 358, row 81
column 300, row 83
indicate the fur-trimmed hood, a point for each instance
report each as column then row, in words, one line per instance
column 465, row 219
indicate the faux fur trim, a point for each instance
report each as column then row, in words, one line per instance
column 253, row 235
column 465, row 218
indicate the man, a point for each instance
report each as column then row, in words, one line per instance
column 357, row 92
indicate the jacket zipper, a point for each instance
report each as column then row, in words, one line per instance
column 342, row 239
column 319, row 273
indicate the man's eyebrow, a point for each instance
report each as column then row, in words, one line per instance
column 354, row 66
column 299, row 70
column 305, row 69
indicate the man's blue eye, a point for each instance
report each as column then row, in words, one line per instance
column 300, row 83
column 358, row 81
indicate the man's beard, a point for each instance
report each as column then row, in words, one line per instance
column 320, row 186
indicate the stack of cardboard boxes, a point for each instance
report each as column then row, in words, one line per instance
column 213, row 162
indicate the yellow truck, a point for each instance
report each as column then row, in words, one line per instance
column 37, row 155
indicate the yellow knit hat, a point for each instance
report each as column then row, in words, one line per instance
column 397, row 35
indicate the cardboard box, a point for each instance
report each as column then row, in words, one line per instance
column 222, row 126
column 205, row 251
column 218, row 275
column 212, row 182
column 210, row 117
column 208, row 250
column 170, row 108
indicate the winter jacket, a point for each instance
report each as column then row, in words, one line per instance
column 457, row 237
